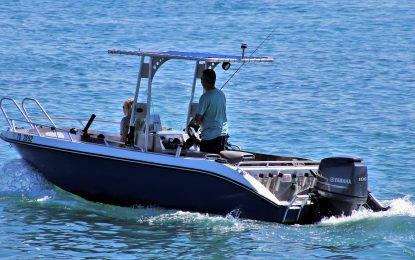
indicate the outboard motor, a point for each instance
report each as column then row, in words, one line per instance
column 341, row 187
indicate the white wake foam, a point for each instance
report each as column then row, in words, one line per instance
column 18, row 179
column 398, row 207
column 208, row 221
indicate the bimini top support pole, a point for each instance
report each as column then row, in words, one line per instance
column 149, row 85
column 130, row 137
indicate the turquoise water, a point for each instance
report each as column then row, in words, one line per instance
column 342, row 82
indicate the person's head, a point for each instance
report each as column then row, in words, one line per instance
column 208, row 79
column 127, row 106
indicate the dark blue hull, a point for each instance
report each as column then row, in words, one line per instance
column 126, row 182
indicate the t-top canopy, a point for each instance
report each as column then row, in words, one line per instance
column 208, row 57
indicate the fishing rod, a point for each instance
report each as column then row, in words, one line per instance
column 243, row 47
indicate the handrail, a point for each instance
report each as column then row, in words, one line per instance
column 80, row 121
column 35, row 125
column 275, row 163
column 106, row 141
column 63, row 118
column 41, row 108
column 29, row 120
column 10, row 121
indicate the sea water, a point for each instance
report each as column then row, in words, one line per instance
column 342, row 83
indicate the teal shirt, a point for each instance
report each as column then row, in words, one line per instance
column 212, row 108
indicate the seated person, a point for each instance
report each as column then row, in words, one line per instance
column 125, row 121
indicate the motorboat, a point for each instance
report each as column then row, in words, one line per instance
column 156, row 166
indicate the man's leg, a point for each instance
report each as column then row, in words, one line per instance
column 215, row 145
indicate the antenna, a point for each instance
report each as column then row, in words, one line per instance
column 243, row 47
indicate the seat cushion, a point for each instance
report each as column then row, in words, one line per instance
column 234, row 157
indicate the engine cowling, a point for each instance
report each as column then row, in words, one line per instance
column 342, row 186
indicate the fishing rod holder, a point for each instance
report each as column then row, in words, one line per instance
column 226, row 65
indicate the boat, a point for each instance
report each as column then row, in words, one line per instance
column 155, row 167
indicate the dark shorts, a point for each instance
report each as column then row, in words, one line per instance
column 213, row 146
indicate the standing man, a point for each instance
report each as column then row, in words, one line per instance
column 211, row 115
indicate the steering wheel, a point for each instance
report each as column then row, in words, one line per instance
column 194, row 135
